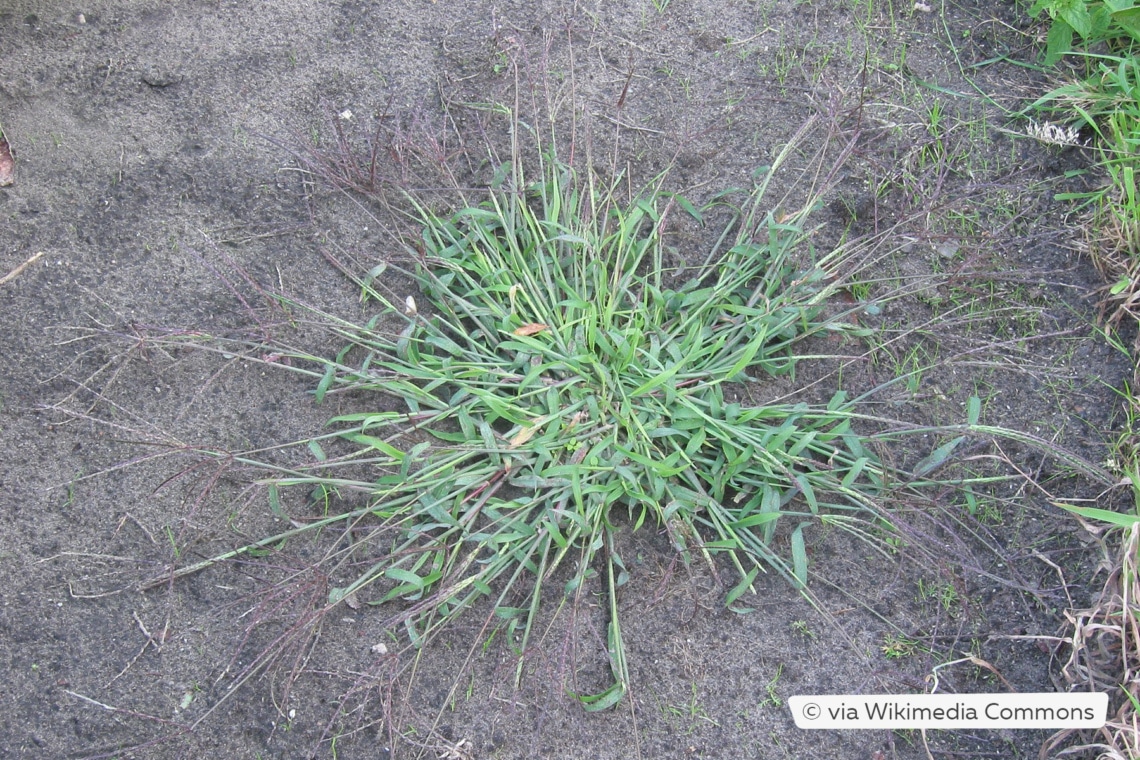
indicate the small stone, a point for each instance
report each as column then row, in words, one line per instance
column 157, row 76
column 380, row 649
column 947, row 250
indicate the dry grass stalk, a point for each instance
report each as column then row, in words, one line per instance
column 18, row 270
column 1104, row 655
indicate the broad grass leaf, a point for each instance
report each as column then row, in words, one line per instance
column 804, row 442
column 658, row 380
column 1118, row 519
column 971, row 500
column 376, row 443
column 602, row 701
column 770, row 505
column 809, row 493
column 973, row 410
column 449, row 437
column 753, row 520
column 369, row 419
column 738, row 590
column 412, row 581
column 799, row 554
column 317, row 451
column 444, row 342
column 937, row 458
column 750, row 351
column 406, row 348
column 696, row 440
column 326, row 381
column 275, row 501
column 689, row 208
column 856, row 469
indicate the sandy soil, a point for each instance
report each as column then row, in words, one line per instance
column 156, row 170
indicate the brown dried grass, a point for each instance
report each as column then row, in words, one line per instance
column 1103, row 642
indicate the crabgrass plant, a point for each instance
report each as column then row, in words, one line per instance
column 556, row 383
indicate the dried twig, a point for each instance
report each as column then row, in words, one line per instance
column 16, row 272
column 152, row 639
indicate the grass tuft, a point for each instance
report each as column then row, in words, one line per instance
column 557, row 383
column 556, row 378
column 1102, row 643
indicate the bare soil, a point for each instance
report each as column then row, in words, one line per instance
column 156, row 149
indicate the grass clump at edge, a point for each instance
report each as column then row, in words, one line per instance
column 1104, row 98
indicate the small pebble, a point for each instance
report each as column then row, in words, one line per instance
column 947, row 250
column 157, row 76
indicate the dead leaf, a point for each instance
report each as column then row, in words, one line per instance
column 7, row 163
column 523, row 436
column 533, row 328
column 983, row 664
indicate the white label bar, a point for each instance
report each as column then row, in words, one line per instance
column 1047, row 710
